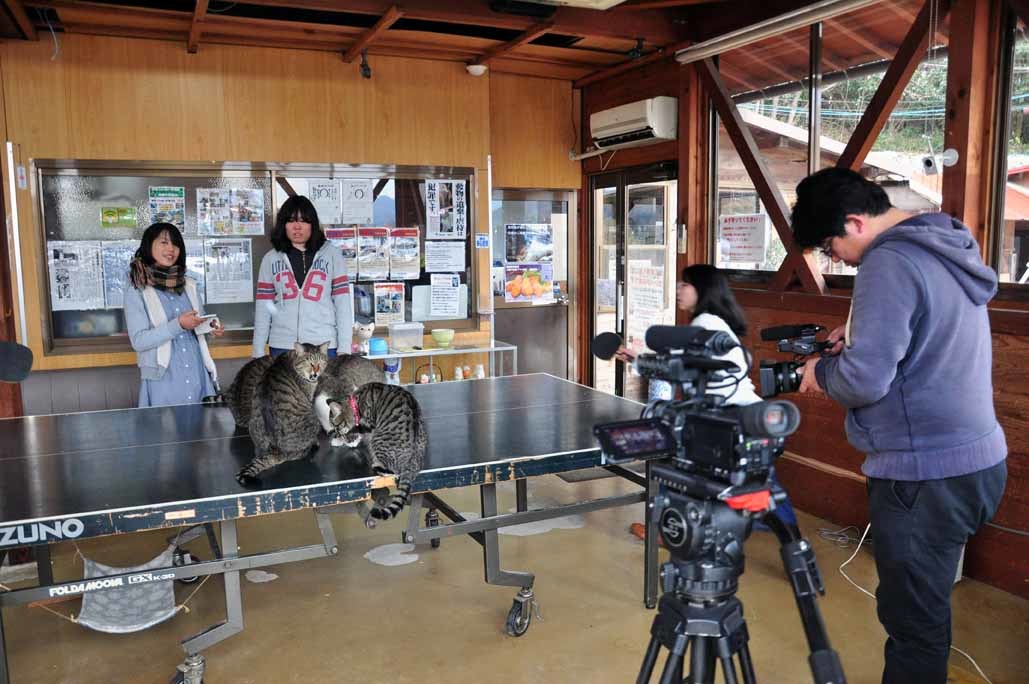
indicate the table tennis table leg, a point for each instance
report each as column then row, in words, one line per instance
column 520, row 615
column 44, row 569
column 522, row 495
column 193, row 667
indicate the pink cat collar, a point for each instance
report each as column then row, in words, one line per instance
column 353, row 407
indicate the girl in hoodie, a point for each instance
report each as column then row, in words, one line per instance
column 303, row 293
column 166, row 324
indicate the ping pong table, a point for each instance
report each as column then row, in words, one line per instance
column 82, row 475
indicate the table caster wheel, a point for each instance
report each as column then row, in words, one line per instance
column 180, row 558
column 520, row 616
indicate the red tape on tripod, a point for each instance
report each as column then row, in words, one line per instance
column 754, row 502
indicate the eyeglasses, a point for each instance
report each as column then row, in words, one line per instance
column 826, row 247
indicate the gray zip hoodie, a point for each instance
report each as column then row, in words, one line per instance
column 916, row 374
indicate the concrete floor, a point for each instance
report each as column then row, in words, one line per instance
column 347, row 619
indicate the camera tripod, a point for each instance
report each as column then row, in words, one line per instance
column 698, row 613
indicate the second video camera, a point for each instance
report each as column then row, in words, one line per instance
column 779, row 377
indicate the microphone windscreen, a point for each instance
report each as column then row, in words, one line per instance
column 605, row 345
column 689, row 337
column 783, row 332
column 15, row 362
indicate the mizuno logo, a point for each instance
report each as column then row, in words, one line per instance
column 33, row 533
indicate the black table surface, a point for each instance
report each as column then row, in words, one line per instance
column 131, row 469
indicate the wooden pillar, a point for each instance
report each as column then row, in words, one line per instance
column 692, row 204
column 971, row 93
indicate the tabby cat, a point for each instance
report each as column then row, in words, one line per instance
column 282, row 425
column 240, row 395
column 388, row 419
column 341, row 377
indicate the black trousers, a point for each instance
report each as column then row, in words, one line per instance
column 918, row 531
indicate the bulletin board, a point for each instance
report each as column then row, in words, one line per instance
column 406, row 234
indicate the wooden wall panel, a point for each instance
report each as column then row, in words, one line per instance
column 117, row 98
column 651, row 80
column 532, row 130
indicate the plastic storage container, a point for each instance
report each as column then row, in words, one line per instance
column 405, row 336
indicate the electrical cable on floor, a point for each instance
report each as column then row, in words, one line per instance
column 871, row 595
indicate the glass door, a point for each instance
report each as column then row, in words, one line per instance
column 633, row 217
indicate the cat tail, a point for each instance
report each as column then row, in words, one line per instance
column 397, row 502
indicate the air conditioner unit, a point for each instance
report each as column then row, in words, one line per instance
column 636, row 123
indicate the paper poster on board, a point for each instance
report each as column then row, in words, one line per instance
column 531, row 283
column 444, row 256
column 346, row 240
column 327, row 200
column 404, row 254
column 443, row 297
column 168, row 205
column 195, row 267
column 644, row 301
column 528, row 243
column 743, row 238
column 446, row 210
column 389, row 303
column 358, row 202
column 76, row 275
column 214, row 217
column 373, row 253
column 247, row 209
column 228, row 265
column 116, row 256
column 117, row 217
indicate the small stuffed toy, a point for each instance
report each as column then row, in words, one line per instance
column 362, row 333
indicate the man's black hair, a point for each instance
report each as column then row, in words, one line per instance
column 826, row 198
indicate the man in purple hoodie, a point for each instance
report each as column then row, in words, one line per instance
column 913, row 368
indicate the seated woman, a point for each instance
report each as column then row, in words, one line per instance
column 704, row 296
column 166, row 323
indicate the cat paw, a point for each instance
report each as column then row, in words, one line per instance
column 245, row 478
column 337, row 441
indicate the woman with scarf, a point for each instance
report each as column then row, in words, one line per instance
column 165, row 323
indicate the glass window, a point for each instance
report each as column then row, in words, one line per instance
column 1011, row 230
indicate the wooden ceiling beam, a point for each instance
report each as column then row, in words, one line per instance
column 660, row 4
column 656, row 28
column 196, row 29
column 527, row 36
column 891, row 88
column 628, row 65
column 876, row 49
column 21, row 18
column 365, row 39
column 797, row 264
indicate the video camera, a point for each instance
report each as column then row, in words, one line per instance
column 781, row 377
column 709, row 475
column 731, row 445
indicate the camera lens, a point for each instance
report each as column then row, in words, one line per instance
column 769, row 418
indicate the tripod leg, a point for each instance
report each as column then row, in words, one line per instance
column 672, row 674
column 747, row 665
column 702, row 661
column 728, row 666
column 647, row 669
